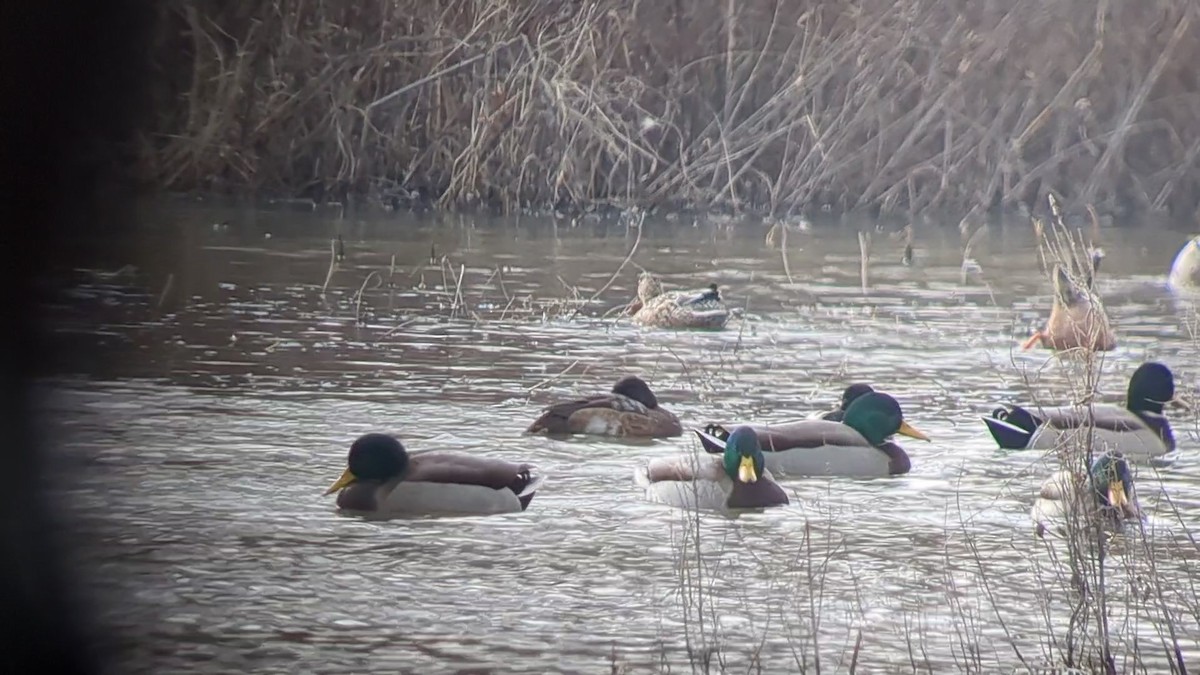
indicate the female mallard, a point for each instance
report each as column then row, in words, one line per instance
column 856, row 446
column 679, row 309
column 1139, row 430
column 383, row 479
column 1077, row 319
column 1185, row 271
column 1109, row 489
column 849, row 395
column 631, row 409
column 737, row 480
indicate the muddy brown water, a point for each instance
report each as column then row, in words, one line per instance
column 198, row 421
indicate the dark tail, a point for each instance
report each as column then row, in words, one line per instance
column 711, row 294
column 1012, row 427
column 713, row 438
column 525, row 495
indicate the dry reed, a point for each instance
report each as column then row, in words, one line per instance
column 743, row 105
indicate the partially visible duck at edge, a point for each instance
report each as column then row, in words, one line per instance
column 849, row 395
column 1139, row 429
column 1185, row 271
column 856, row 446
column 383, row 479
column 631, row 409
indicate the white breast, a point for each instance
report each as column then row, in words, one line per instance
column 446, row 499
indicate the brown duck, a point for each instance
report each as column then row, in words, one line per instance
column 630, row 409
column 1077, row 319
column 703, row 308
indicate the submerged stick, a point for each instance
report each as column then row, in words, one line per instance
column 332, row 265
column 166, row 289
column 968, row 263
column 462, row 269
column 552, row 378
column 359, row 294
column 864, row 249
column 632, row 250
column 783, row 251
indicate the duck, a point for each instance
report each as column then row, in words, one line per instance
column 382, row 479
column 857, row 446
column 1077, row 319
column 1109, row 490
column 1140, row 430
column 737, row 480
column 630, row 410
column 704, row 308
column 849, row 395
column 1185, row 271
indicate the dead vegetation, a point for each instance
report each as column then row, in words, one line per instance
column 740, row 105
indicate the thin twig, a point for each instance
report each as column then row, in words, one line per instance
column 632, row 249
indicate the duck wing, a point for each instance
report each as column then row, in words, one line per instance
column 698, row 299
column 556, row 418
column 462, row 469
column 683, row 468
column 808, row 434
column 1106, row 417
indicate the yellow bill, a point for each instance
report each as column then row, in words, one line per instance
column 746, row 472
column 346, row 479
column 1116, row 494
column 1179, row 403
column 909, row 430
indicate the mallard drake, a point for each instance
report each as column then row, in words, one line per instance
column 679, row 309
column 382, row 478
column 856, row 446
column 736, row 480
column 1185, row 271
column 1077, row 319
column 849, row 395
column 630, row 409
column 1139, row 430
column 1109, row 489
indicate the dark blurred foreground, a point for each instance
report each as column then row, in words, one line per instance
column 70, row 94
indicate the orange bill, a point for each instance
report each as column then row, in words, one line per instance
column 909, row 430
column 346, row 479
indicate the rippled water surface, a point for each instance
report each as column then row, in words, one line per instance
column 212, row 390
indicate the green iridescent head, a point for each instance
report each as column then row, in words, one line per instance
column 877, row 417
column 744, row 461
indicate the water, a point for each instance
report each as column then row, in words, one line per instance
column 202, row 417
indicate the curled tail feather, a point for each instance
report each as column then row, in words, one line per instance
column 712, row 438
column 1012, row 428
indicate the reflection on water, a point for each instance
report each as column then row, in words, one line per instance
column 214, row 389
